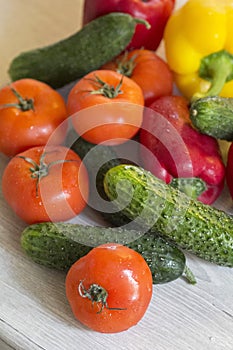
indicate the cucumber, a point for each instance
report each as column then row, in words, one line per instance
column 59, row 245
column 98, row 159
column 69, row 59
column 213, row 116
column 198, row 228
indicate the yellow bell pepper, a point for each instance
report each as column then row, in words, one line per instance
column 198, row 47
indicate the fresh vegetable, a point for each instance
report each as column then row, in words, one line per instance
column 198, row 47
column 110, row 107
column 110, row 288
column 46, row 184
column 147, row 69
column 155, row 12
column 73, row 57
column 30, row 112
column 213, row 115
column 201, row 229
column 229, row 170
column 59, row 245
column 171, row 148
column 98, row 159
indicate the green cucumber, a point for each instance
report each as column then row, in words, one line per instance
column 59, row 245
column 213, row 116
column 201, row 229
column 98, row 159
column 69, row 59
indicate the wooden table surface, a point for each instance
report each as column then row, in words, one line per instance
column 34, row 313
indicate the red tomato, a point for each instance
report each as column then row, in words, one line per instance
column 30, row 111
column 109, row 289
column 148, row 70
column 46, row 184
column 110, row 107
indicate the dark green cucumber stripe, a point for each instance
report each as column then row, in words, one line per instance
column 67, row 60
column 59, row 245
column 192, row 225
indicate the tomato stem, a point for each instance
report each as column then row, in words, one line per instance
column 38, row 171
column 97, row 294
column 106, row 89
column 126, row 65
column 25, row 104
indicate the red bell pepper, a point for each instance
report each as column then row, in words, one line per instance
column 156, row 12
column 229, row 170
column 178, row 151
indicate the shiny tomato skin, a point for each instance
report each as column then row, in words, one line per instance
column 19, row 129
column 149, row 71
column 126, row 277
column 103, row 119
column 61, row 195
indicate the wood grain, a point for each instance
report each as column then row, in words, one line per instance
column 34, row 313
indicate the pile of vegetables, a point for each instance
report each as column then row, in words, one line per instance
column 157, row 204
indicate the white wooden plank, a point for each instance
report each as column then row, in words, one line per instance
column 35, row 314
column 4, row 346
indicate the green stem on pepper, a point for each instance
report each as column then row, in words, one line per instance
column 218, row 69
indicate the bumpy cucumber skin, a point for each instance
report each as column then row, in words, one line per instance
column 67, row 60
column 213, row 116
column 59, row 245
column 192, row 225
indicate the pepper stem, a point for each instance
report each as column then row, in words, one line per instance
column 218, row 69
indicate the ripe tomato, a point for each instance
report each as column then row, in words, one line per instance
column 148, row 70
column 110, row 107
column 110, row 288
column 30, row 111
column 46, row 184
